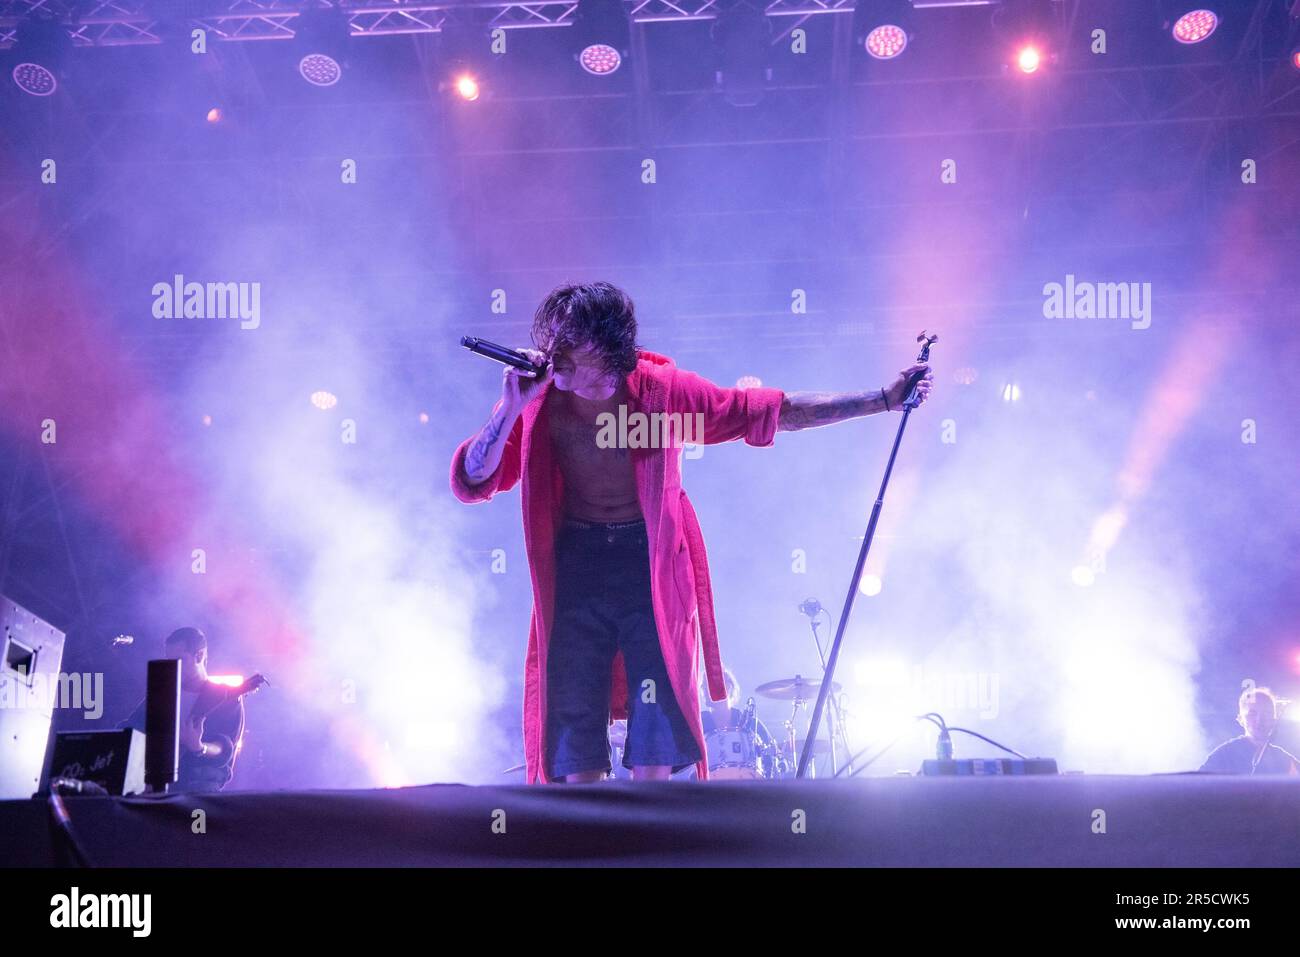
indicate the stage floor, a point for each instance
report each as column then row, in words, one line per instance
column 1070, row 821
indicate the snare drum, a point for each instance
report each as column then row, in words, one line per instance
column 732, row 755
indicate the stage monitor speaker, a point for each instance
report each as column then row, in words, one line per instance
column 31, row 654
column 112, row 759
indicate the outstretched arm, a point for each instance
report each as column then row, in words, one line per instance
column 808, row 410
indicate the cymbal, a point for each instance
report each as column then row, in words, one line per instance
column 792, row 689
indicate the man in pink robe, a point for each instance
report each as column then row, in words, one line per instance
column 577, row 485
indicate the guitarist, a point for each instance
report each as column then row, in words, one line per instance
column 211, row 715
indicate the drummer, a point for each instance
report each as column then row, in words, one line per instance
column 718, row 715
column 722, row 715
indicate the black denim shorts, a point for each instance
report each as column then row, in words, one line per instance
column 603, row 606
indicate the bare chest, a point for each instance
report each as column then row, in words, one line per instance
column 592, row 465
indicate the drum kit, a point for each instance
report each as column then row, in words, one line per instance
column 747, row 750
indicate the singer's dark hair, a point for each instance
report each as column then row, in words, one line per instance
column 190, row 639
column 598, row 313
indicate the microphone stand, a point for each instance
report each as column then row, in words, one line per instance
column 814, row 725
column 837, row 716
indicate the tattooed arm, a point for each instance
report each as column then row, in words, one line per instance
column 491, row 461
column 479, row 458
column 807, row 410
column 485, row 450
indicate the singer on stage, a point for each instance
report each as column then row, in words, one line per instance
column 617, row 559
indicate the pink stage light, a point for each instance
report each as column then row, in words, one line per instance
column 600, row 59
column 1028, row 60
column 1195, row 26
column 886, row 41
column 467, row 87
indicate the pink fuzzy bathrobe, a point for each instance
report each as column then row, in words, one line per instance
column 679, row 568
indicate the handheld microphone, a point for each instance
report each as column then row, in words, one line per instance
column 500, row 353
column 810, row 607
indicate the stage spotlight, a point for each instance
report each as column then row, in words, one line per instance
column 870, row 585
column 215, row 115
column 748, row 382
column 1028, row 60
column 1295, row 58
column 1083, row 576
column 600, row 59
column 742, row 38
column 1195, row 26
column 324, row 400
column 1029, row 30
column 319, row 69
column 40, row 48
column 601, row 36
column 320, row 38
column 886, row 42
column 34, row 79
column 466, row 87
column 467, row 61
column 883, row 28
column 1011, row 392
